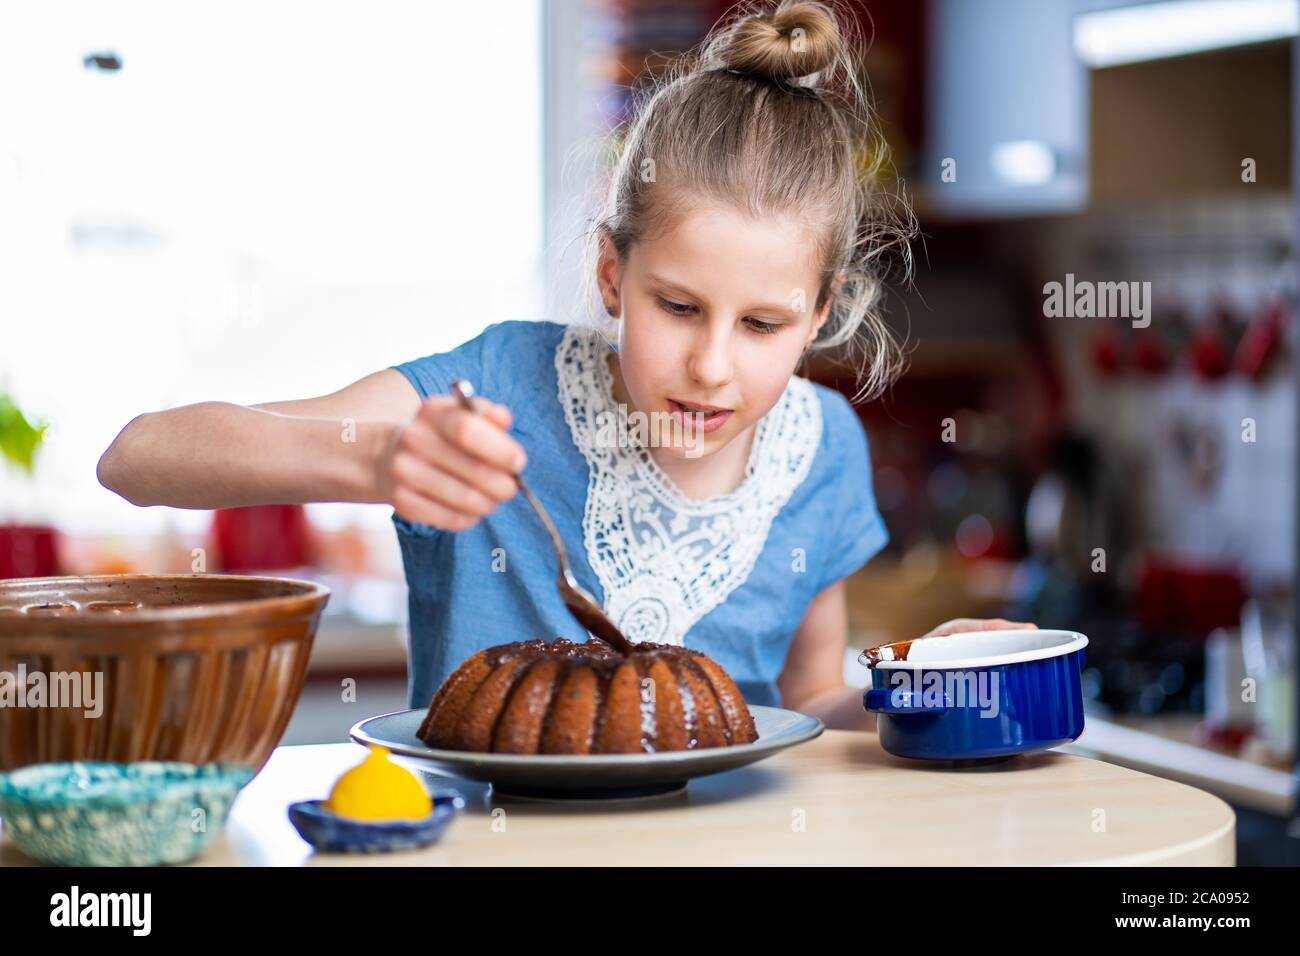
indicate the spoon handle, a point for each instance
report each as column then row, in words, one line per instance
column 580, row 604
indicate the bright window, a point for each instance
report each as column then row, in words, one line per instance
column 267, row 201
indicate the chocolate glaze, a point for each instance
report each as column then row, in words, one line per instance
column 896, row 651
column 604, row 661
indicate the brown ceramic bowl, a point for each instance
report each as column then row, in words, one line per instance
column 195, row 667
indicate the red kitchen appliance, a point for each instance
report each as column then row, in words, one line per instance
column 1187, row 598
column 28, row 551
column 260, row 538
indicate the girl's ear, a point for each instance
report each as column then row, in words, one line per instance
column 825, row 311
column 609, row 270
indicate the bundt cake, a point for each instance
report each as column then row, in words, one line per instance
column 560, row 697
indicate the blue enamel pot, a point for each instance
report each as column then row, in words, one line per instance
column 977, row 695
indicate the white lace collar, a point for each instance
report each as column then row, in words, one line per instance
column 663, row 559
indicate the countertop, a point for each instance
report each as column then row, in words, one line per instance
column 838, row 799
column 1165, row 746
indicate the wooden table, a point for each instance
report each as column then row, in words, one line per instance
column 838, row 799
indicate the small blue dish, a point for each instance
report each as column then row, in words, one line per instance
column 330, row 833
column 118, row 814
column 977, row 695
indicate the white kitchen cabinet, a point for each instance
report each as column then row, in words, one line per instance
column 1007, row 113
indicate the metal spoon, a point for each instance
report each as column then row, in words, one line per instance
column 580, row 604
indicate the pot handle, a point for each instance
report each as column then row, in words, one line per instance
column 889, row 700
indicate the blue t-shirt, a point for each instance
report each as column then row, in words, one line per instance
column 731, row 576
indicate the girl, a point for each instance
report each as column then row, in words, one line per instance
column 741, row 232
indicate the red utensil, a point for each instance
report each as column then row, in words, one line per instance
column 1149, row 353
column 1107, row 353
column 1209, row 348
column 1261, row 342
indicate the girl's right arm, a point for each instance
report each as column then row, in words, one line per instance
column 374, row 441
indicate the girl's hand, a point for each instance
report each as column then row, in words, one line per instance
column 960, row 624
column 447, row 467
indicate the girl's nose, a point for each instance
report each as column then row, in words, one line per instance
column 710, row 362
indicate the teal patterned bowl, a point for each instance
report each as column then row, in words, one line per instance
column 118, row 814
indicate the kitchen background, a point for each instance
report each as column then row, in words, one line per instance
column 297, row 195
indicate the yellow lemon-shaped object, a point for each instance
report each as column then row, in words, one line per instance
column 378, row 789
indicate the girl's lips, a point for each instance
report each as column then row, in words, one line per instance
column 698, row 406
column 688, row 418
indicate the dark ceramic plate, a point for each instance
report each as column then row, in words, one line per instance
column 596, row 776
column 330, row 833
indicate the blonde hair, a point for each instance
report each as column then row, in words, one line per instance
column 771, row 115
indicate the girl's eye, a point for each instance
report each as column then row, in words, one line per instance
column 763, row 328
column 675, row 308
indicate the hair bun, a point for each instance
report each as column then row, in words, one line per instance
column 796, row 40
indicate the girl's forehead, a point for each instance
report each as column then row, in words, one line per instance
column 716, row 236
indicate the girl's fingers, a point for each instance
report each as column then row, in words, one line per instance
column 452, row 467
column 964, row 624
column 426, row 442
column 415, row 507
column 496, row 484
column 480, row 435
column 443, row 457
column 498, row 413
column 448, row 491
